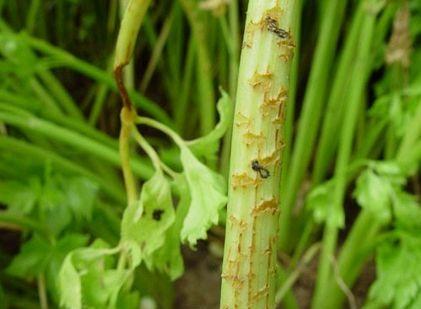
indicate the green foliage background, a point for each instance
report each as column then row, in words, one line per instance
column 67, row 237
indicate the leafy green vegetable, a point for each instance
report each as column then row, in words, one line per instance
column 377, row 189
column 38, row 256
column 70, row 286
column 209, row 143
column 398, row 283
column 168, row 258
column 86, row 269
column 80, row 196
column 54, row 200
column 374, row 193
column 408, row 213
column 146, row 222
column 208, row 197
column 20, row 197
column 319, row 200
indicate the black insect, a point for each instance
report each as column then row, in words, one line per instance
column 272, row 25
column 263, row 172
column 157, row 214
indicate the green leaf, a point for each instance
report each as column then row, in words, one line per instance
column 38, row 256
column 398, row 280
column 80, row 195
column 63, row 246
column 374, row 193
column 20, row 197
column 209, row 143
column 168, row 258
column 407, row 212
column 54, row 200
column 70, row 285
column 66, row 198
column 208, row 197
column 32, row 260
column 379, row 188
column 53, row 210
column 146, row 221
column 86, row 277
column 101, row 286
column 389, row 170
column 319, row 201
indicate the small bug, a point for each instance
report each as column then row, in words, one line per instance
column 157, row 214
column 273, row 27
column 263, row 172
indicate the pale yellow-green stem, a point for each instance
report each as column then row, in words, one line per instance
column 127, row 118
column 129, row 29
column 133, row 16
column 248, row 278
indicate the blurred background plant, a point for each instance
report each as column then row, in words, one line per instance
column 350, row 185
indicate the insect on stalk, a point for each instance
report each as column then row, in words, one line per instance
column 263, row 172
column 272, row 26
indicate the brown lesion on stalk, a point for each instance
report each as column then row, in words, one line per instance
column 287, row 47
column 280, row 116
column 263, row 292
column 252, row 250
column 232, row 270
column 284, row 37
column 275, row 12
column 270, row 159
column 271, row 266
column 241, row 120
column 236, row 280
column 261, row 81
column 274, row 102
column 241, row 224
column 251, row 138
column 267, row 206
column 272, row 14
column 118, row 76
column 243, row 180
column 240, row 239
column 249, row 34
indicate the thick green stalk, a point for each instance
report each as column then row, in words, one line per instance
column 235, row 45
column 290, row 109
column 234, row 55
column 134, row 13
column 181, row 113
column 360, row 73
column 249, row 268
column 31, row 17
column 129, row 76
column 199, row 29
column 312, row 109
column 332, row 120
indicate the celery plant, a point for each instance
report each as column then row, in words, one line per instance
column 249, row 265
